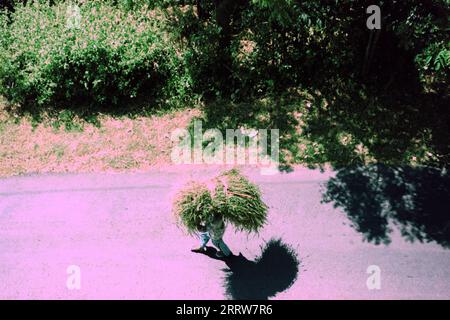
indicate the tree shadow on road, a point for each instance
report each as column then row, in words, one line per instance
column 414, row 199
column 271, row 273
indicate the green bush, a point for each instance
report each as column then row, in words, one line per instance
column 111, row 55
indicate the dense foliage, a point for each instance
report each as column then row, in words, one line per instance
column 339, row 92
column 111, row 55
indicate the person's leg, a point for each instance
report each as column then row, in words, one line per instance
column 204, row 238
column 221, row 245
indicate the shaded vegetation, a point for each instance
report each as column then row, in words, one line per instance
column 339, row 92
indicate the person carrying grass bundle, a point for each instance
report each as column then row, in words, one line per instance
column 214, row 229
column 204, row 208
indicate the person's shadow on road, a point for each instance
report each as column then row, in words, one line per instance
column 271, row 273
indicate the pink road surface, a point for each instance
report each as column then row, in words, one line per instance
column 118, row 228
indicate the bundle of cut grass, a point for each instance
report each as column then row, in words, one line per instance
column 193, row 205
column 231, row 194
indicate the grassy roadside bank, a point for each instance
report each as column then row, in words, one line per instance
column 116, row 144
column 111, row 143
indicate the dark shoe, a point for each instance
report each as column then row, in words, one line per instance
column 199, row 250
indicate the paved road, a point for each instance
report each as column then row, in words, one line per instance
column 119, row 230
